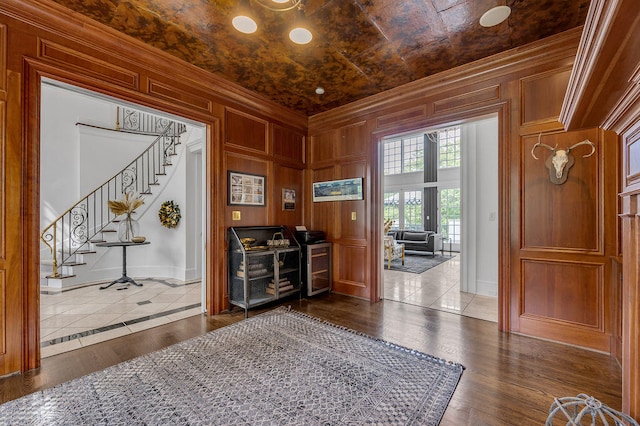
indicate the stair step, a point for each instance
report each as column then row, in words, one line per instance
column 146, row 192
column 85, row 251
column 97, row 241
column 109, row 230
column 73, row 263
column 60, row 277
column 161, row 174
column 154, row 183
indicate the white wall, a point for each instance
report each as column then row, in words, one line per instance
column 479, row 186
column 60, row 146
column 76, row 159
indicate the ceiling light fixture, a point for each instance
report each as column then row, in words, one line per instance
column 495, row 16
column 245, row 22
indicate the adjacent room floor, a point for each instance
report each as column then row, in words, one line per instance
column 439, row 288
column 83, row 316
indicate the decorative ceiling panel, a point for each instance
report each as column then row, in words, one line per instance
column 360, row 47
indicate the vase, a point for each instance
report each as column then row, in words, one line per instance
column 128, row 229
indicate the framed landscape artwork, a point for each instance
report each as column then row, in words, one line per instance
column 246, row 189
column 338, row 190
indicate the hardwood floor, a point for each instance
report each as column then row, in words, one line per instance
column 509, row 379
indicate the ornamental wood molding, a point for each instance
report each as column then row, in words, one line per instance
column 604, row 88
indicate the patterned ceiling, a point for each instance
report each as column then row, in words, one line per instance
column 360, row 47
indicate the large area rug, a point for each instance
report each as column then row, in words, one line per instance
column 416, row 263
column 278, row 368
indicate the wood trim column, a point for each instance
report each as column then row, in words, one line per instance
column 631, row 304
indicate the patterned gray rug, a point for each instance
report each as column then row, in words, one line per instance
column 278, row 368
column 417, row 263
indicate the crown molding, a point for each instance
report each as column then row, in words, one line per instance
column 604, row 87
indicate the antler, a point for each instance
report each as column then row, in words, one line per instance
column 544, row 145
column 584, row 142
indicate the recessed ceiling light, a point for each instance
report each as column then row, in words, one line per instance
column 300, row 35
column 495, row 16
column 244, row 24
column 319, row 90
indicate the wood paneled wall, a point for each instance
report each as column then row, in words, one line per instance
column 555, row 240
column 604, row 91
column 245, row 133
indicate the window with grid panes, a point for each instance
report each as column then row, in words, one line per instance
column 413, row 154
column 393, row 157
column 449, row 147
column 450, row 214
column 413, row 210
column 391, row 206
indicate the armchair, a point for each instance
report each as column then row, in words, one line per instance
column 392, row 250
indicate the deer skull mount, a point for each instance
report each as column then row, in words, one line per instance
column 560, row 161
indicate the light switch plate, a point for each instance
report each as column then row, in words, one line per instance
column 353, row 215
column 235, row 215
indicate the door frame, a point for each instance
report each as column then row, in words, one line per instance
column 34, row 72
column 502, row 111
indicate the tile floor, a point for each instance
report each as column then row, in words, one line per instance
column 439, row 288
column 86, row 315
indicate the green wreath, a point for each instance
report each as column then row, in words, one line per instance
column 169, row 214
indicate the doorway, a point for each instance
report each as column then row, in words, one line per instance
column 458, row 183
column 84, row 142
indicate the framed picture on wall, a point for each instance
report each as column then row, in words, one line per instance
column 246, row 189
column 288, row 199
column 338, row 190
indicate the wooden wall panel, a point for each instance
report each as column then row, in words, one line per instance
column 3, row 289
column 353, row 140
column 289, row 178
column 467, row 100
column 349, row 227
column 12, row 281
column 347, row 279
column 3, row 123
column 631, row 301
column 288, row 144
column 179, row 94
column 245, row 131
column 3, row 58
column 87, row 64
column 542, row 95
column 562, row 217
column 403, row 116
column 564, row 291
column 322, row 146
column 249, row 215
column 322, row 215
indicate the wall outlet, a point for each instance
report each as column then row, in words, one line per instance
column 492, row 216
column 235, row 215
column 353, row 215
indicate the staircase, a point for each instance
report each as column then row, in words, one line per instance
column 72, row 236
